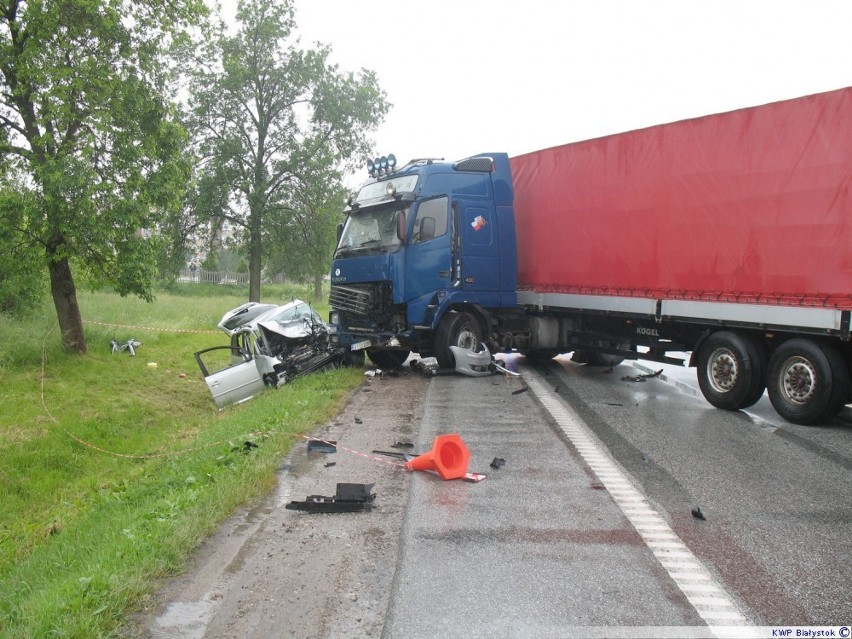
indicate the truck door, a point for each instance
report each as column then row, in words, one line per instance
column 480, row 255
column 429, row 255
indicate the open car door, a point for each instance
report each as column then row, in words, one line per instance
column 235, row 382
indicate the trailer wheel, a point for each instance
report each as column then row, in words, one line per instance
column 841, row 381
column 808, row 382
column 731, row 371
column 456, row 329
column 387, row 358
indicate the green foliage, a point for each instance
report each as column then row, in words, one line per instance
column 87, row 128
column 275, row 124
column 85, row 533
column 22, row 282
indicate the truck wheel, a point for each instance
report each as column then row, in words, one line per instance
column 731, row 371
column 808, row 382
column 386, row 358
column 841, row 381
column 456, row 329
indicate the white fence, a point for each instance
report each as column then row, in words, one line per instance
column 222, row 277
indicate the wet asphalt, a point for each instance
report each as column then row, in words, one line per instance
column 536, row 549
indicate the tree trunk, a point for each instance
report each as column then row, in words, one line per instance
column 65, row 301
column 255, row 257
column 318, row 287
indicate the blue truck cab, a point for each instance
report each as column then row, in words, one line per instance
column 426, row 254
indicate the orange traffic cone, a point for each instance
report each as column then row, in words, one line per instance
column 449, row 457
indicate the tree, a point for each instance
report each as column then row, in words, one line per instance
column 274, row 122
column 304, row 234
column 86, row 122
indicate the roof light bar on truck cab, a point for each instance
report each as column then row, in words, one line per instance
column 381, row 166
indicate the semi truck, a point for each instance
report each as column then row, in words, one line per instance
column 722, row 242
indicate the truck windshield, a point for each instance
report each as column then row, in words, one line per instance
column 371, row 231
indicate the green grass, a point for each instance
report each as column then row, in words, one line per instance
column 112, row 470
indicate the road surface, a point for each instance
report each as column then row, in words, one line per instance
column 586, row 530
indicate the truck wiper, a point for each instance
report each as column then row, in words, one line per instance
column 366, row 243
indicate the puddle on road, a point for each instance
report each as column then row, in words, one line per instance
column 185, row 620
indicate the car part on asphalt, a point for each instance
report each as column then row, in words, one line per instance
column 320, row 446
column 427, row 366
column 641, row 378
column 473, row 364
column 349, row 498
column 395, row 455
column 498, row 462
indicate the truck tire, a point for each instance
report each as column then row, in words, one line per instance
column 731, row 371
column 387, row 358
column 841, row 381
column 456, row 329
column 808, row 382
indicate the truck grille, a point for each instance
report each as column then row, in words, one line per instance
column 357, row 301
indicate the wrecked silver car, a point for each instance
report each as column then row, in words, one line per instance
column 270, row 345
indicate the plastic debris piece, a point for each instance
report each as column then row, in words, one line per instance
column 329, row 464
column 505, row 370
column 427, row 366
column 498, row 462
column 349, row 498
column 389, row 453
column 473, row 364
column 358, row 420
column 696, row 512
column 129, row 346
column 317, row 446
column 520, row 390
column 641, row 378
column 402, row 445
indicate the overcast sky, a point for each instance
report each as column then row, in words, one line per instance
column 467, row 76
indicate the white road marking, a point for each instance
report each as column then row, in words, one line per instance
column 709, row 599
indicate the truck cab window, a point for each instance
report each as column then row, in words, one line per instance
column 431, row 220
column 370, row 231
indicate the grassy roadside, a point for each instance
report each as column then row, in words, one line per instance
column 112, row 470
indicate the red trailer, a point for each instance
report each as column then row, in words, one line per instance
column 729, row 236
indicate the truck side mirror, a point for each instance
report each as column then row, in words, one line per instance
column 400, row 225
column 339, row 231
